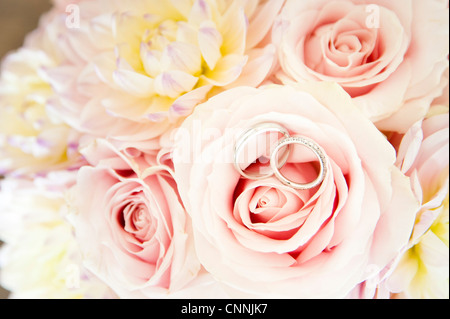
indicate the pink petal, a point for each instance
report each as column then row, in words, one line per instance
column 261, row 22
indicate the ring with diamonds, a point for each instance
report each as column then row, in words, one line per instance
column 314, row 147
column 243, row 141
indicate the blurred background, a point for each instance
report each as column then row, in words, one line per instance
column 17, row 18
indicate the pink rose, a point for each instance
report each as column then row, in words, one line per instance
column 388, row 55
column 132, row 228
column 262, row 238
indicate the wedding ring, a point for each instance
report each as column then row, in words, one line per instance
column 314, row 147
column 252, row 132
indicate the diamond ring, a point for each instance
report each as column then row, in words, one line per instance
column 243, row 142
column 314, row 147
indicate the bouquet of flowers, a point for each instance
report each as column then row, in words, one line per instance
column 227, row 149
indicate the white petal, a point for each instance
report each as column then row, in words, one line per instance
column 404, row 274
column 234, row 31
column 259, row 64
column 261, row 21
column 410, row 147
column 150, row 60
column 186, row 33
column 183, row 6
column 210, row 41
column 433, row 251
column 122, row 105
column 174, row 83
column 59, row 78
column 104, row 65
column 184, row 104
column 200, row 12
column 134, row 83
column 181, row 56
column 227, row 70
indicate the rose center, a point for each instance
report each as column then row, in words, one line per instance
column 269, row 199
column 137, row 221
